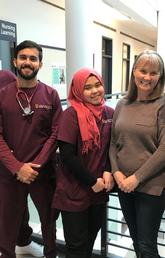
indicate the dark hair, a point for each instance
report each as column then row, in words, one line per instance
column 28, row 44
column 151, row 56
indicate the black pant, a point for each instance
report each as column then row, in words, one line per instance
column 80, row 230
column 143, row 213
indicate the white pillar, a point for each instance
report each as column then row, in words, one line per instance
column 161, row 32
column 79, row 35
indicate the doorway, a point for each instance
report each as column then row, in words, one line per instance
column 107, row 64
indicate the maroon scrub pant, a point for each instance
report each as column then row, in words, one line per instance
column 25, row 231
column 13, row 204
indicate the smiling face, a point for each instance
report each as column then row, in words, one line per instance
column 146, row 76
column 93, row 91
column 28, row 63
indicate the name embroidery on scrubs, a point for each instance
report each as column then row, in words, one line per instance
column 39, row 106
column 105, row 121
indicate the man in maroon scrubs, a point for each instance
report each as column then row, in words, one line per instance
column 24, row 243
column 29, row 117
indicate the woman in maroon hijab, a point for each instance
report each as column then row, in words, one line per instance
column 84, row 179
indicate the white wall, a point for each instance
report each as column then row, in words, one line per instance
column 42, row 23
column 45, row 24
column 35, row 20
column 161, row 21
column 105, row 15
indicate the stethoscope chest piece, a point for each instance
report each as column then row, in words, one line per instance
column 27, row 111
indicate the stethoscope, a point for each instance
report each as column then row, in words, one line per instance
column 27, row 110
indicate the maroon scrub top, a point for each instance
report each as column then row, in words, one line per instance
column 71, row 194
column 27, row 138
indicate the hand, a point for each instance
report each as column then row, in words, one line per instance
column 119, row 177
column 129, row 184
column 108, row 180
column 99, row 186
column 27, row 174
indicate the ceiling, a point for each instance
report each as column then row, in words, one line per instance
column 137, row 23
column 142, row 18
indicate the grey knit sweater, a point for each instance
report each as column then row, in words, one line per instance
column 138, row 143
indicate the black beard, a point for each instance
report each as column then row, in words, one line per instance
column 27, row 77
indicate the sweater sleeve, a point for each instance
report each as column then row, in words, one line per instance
column 73, row 163
column 112, row 149
column 156, row 161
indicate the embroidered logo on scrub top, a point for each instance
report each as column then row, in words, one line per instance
column 105, row 121
column 39, row 106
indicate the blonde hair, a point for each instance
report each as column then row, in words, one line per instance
column 153, row 57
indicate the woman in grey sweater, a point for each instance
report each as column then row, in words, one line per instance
column 137, row 152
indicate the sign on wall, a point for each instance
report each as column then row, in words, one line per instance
column 58, row 74
column 8, row 31
column 59, row 80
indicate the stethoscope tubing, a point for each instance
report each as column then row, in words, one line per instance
column 26, row 110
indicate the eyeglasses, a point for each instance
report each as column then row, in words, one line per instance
column 27, row 110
